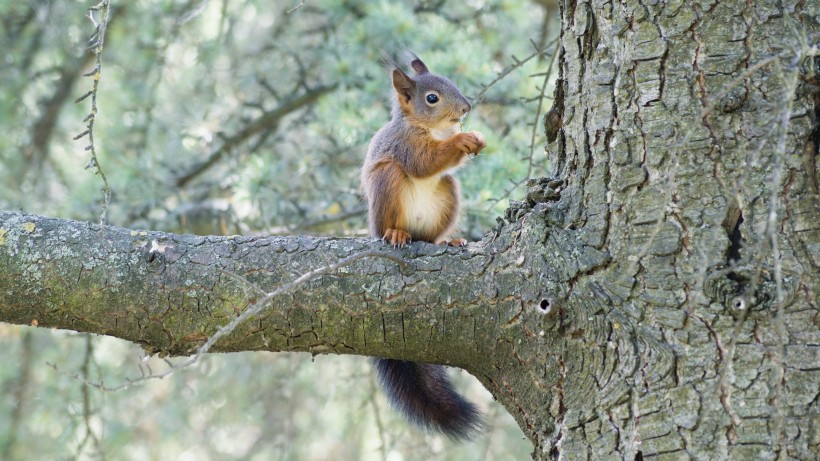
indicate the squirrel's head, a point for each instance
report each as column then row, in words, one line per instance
column 427, row 99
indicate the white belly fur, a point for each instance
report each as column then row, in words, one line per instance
column 423, row 208
column 442, row 134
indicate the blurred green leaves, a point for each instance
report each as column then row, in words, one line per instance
column 180, row 77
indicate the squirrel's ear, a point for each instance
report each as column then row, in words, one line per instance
column 419, row 66
column 404, row 86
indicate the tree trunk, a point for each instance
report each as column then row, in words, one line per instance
column 688, row 153
column 657, row 298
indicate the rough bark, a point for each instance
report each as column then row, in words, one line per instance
column 170, row 292
column 657, row 298
column 688, row 150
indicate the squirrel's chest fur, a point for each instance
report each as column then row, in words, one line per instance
column 427, row 205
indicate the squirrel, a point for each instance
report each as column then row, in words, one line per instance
column 411, row 197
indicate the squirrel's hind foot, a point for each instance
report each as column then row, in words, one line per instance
column 454, row 243
column 396, row 237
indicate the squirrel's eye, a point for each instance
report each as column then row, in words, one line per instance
column 432, row 98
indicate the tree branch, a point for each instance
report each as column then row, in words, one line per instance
column 495, row 308
column 267, row 121
column 170, row 293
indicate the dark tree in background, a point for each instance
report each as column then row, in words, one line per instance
column 654, row 295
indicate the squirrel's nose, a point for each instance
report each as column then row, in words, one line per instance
column 467, row 107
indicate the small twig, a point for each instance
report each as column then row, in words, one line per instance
column 535, row 124
column 318, row 222
column 90, row 435
column 507, row 70
column 738, row 79
column 267, row 122
column 97, row 41
column 540, row 98
column 301, row 3
column 781, row 333
column 301, row 280
column 704, row 115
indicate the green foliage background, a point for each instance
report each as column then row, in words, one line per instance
column 180, row 80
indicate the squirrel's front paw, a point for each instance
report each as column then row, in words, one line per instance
column 480, row 141
column 471, row 142
column 396, row 237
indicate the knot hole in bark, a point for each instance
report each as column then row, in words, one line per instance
column 739, row 303
column 744, row 288
column 546, row 306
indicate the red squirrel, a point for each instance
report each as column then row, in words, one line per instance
column 412, row 197
column 409, row 194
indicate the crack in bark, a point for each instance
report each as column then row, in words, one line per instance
column 724, row 367
column 560, row 430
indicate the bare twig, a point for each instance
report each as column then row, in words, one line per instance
column 437, row 9
column 266, row 122
column 535, row 124
column 42, row 130
column 153, row 76
column 291, row 10
column 709, row 106
column 548, row 19
column 90, row 435
column 540, row 98
column 779, row 353
column 507, row 70
column 99, row 16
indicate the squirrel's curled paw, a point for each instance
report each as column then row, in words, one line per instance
column 481, row 143
column 471, row 142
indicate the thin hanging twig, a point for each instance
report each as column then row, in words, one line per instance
column 98, row 14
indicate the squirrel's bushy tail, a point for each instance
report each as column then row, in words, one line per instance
column 423, row 392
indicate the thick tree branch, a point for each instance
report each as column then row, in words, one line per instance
column 170, row 293
column 493, row 308
column 489, row 308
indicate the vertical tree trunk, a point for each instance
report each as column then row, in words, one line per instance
column 687, row 155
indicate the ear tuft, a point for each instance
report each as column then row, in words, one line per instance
column 419, row 66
